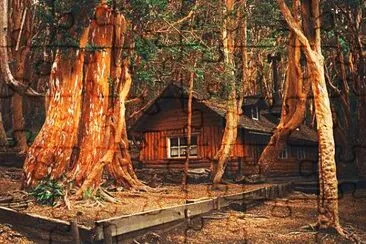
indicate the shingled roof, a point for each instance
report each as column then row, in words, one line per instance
column 263, row 125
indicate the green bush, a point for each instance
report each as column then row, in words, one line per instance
column 47, row 192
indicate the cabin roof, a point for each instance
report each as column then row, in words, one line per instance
column 255, row 101
column 263, row 125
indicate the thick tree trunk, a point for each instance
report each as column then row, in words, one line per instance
column 85, row 134
column 328, row 197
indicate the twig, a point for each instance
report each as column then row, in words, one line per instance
column 21, row 29
column 190, row 14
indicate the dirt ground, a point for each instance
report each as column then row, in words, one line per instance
column 277, row 221
column 128, row 202
column 8, row 235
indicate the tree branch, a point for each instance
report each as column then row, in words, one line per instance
column 295, row 27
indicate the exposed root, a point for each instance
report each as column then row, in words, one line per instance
column 106, row 195
column 347, row 234
column 66, row 200
column 145, row 188
column 310, row 227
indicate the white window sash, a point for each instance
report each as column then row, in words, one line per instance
column 180, row 148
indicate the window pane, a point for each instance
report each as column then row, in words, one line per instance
column 183, row 151
column 183, row 141
column 193, row 151
column 174, row 141
column 194, row 140
column 174, row 152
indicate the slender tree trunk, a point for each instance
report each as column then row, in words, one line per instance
column 232, row 116
column 189, row 129
column 328, row 198
column 19, row 123
column 19, row 30
column 293, row 107
column 85, row 134
column 234, row 106
column 244, row 88
column 6, row 74
column 3, row 140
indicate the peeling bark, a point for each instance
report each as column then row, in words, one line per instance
column 293, row 107
column 232, row 115
column 85, row 134
column 328, row 197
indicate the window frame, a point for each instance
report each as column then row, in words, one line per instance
column 180, row 147
column 301, row 153
column 284, row 154
column 254, row 112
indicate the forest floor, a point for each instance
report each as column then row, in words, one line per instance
column 284, row 220
column 168, row 195
column 275, row 221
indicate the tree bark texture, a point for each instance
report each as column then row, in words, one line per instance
column 6, row 73
column 3, row 140
column 328, row 197
column 294, row 105
column 232, row 115
column 20, row 35
column 84, row 134
column 189, row 128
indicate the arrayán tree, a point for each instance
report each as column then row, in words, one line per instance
column 84, row 135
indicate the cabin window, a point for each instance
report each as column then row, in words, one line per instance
column 301, row 153
column 283, row 154
column 255, row 113
column 178, row 146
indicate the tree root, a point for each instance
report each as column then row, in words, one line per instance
column 347, row 234
column 145, row 188
column 66, row 200
column 107, row 196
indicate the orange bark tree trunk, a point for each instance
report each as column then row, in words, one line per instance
column 84, row 134
column 294, row 105
column 232, row 116
column 328, row 197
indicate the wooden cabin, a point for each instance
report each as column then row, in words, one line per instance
column 160, row 133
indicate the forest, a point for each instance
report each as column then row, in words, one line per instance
column 156, row 121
